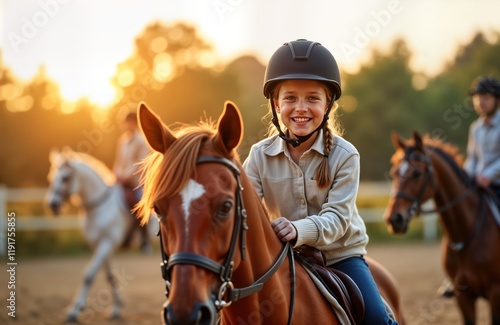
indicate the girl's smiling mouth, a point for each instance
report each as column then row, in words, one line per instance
column 301, row 119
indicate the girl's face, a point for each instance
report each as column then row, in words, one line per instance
column 301, row 105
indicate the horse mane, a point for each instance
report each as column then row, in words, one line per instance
column 164, row 175
column 93, row 163
column 450, row 153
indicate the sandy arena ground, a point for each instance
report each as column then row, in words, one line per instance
column 45, row 287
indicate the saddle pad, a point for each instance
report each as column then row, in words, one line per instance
column 339, row 311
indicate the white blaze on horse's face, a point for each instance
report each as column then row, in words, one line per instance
column 189, row 193
column 403, row 168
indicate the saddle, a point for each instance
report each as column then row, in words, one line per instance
column 339, row 284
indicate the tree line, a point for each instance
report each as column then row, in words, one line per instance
column 175, row 71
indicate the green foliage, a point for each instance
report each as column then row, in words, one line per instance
column 383, row 97
column 51, row 243
column 386, row 100
column 175, row 71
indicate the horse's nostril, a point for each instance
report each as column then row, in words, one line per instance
column 398, row 221
column 206, row 315
column 203, row 313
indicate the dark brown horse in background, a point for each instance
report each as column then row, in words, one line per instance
column 223, row 261
column 429, row 169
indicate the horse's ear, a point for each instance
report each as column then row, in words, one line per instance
column 397, row 141
column 419, row 143
column 230, row 126
column 157, row 134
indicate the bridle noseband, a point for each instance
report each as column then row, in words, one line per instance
column 226, row 293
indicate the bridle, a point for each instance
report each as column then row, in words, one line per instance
column 66, row 193
column 226, row 292
column 416, row 205
column 416, row 200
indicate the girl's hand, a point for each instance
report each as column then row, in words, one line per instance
column 284, row 229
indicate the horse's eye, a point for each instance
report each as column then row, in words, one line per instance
column 65, row 178
column 225, row 209
column 416, row 174
column 417, row 157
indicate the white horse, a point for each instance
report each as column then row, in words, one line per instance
column 107, row 219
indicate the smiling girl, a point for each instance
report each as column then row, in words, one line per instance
column 308, row 175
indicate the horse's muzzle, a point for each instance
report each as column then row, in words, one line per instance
column 399, row 223
column 203, row 313
column 55, row 207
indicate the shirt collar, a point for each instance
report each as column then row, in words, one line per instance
column 495, row 120
column 278, row 146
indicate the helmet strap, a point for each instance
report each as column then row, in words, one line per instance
column 295, row 142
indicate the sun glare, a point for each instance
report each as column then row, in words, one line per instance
column 98, row 95
column 163, row 67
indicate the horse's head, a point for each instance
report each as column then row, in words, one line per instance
column 62, row 180
column 192, row 183
column 412, row 181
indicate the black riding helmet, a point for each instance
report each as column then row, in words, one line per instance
column 305, row 60
column 302, row 59
column 485, row 85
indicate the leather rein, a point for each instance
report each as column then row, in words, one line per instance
column 227, row 293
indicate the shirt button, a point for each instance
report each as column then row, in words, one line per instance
column 302, row 201
column 299, row 173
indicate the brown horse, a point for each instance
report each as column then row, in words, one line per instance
column 221, row 258
column 427, row 168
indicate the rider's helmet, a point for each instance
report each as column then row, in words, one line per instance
column 301, row 59
column 485, row 85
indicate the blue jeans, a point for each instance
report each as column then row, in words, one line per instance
column 357, row 268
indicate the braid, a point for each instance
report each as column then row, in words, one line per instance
column 322, row 174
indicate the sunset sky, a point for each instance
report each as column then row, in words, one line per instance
column 81, row 41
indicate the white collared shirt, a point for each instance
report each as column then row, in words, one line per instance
column 325, row 218
column 483, row 149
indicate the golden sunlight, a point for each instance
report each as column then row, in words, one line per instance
column 125, row 77
column 68, row 107
column 10, row 91
column 21, row 104
column 99, row 95
column 163, row 69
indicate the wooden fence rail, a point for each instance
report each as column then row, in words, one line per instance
column 65, row 222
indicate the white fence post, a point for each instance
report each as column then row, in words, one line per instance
column 430, row 223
